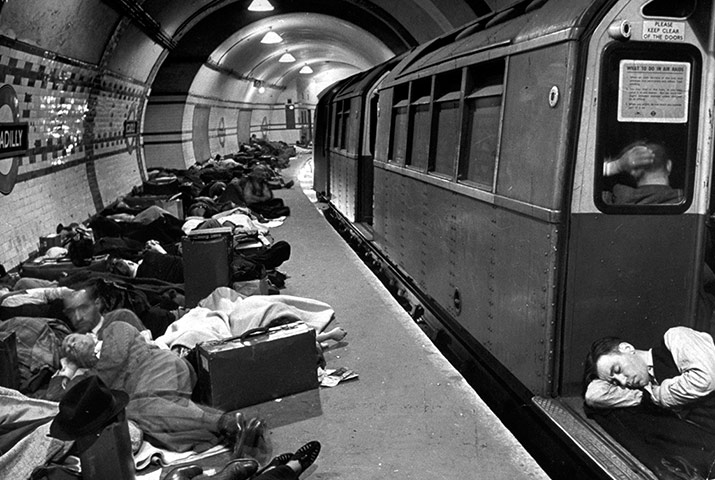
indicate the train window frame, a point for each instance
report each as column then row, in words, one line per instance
column 398, row 136
column 345, row 123
column 448, row 88
column 482, row 83
column 419, row 124
column 337, row 124
column 680, row 142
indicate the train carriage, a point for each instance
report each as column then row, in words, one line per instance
column 494, row 203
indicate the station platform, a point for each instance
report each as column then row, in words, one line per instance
column 409, row 414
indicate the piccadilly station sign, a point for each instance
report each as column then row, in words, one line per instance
column 13, row 138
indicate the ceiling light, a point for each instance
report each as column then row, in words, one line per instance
column 286, row 58
column 271, row 37
column 261, row 89
column 260, row 6
column 306, row 69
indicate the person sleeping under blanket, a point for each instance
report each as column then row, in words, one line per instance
column 226, row 313
column 660, row 402
column 158, row 382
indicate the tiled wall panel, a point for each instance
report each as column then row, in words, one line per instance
column 78, row 159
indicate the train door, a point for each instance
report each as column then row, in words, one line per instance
column 366, row 168
column 636, row 232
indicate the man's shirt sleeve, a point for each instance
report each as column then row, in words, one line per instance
column 694, row 355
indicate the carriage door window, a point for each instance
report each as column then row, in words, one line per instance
column 398, row 134
column 483, row 102
column 420, row 124
column 648, row 122
column 337, row 124
column 448, row 88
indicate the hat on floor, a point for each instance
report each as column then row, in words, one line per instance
column 86, row 408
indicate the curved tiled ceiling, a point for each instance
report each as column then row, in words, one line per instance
column 325, row 43
column 343, row 35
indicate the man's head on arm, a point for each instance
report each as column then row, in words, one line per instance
column 617, row 362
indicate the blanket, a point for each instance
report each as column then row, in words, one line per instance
column 226, row 313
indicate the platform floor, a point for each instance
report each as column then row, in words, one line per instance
column 410, row 414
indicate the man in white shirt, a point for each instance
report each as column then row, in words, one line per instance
column 677, row 373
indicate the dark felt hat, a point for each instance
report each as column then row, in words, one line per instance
column 86, row 408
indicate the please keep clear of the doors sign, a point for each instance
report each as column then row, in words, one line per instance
column 653, row 91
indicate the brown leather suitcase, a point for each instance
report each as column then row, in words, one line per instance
column 260, row 365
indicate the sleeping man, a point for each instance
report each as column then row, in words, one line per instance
column 658, row 401
column 158, row 382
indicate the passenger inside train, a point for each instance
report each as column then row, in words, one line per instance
column 648, row 166
column 657, row 401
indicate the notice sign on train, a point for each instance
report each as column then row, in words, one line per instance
column 653, row 91
column 664, row 30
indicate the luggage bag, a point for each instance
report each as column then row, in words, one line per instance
column 206, row 256
column 260, row 365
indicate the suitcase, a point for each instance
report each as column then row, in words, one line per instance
column 9, row 371
column 207, row 256
column 260, row 365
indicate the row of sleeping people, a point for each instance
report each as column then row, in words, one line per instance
column 123, row 320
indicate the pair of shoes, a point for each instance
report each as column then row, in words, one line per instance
column 238, row 469
column 306, row 455
column 184, row 472
column 281, row 459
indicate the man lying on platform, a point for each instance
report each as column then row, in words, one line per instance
column 158, row 382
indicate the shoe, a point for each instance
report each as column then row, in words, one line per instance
column 185, row 472
column 281, row 459
column 238, row 469
column 231, row 424
column 306, row 455
column 250, row 438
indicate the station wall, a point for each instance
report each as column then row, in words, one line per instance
column 78, row 158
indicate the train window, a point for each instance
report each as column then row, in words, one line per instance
column 337, row 124
column 669, row 8
column 447, row 100
column 344, row 123
column 398, row 134
column 483, row 102
column 647, row 131
column 420, row 123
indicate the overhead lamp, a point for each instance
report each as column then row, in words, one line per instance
column 306, row 69
column 271, row 37
column 261, row 89
column 260, row 6
column 286, row 58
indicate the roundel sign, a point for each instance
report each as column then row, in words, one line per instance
column 222, row 132
column 13, row 138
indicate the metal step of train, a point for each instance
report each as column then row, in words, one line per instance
column 596, row 443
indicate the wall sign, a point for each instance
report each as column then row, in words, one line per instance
column 13, row 138
column 131, row 130
column 221, row 132
column 653, row 91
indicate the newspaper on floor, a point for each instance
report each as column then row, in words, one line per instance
column 330, row 377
